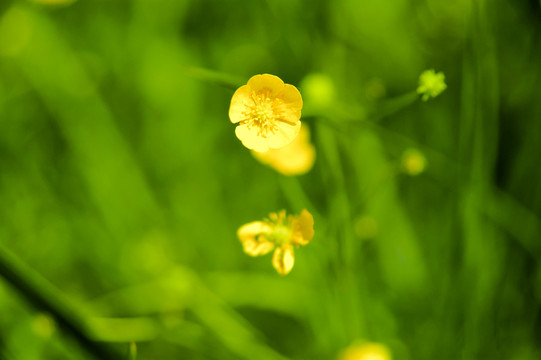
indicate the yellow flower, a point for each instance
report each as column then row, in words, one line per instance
column 267, row 112
column 296, row 158
column 366, row 351
column 431, row 84
column 279, row 233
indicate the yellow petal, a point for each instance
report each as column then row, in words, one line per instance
column 241, row 103
column 303, row 228
column 283, row 136
column 288, row 114
column 304, row 135
column 283, row 259
column 258, row 247
column 366, row 351
column 253, row 228
column 250, row 138
column 254, row 238
column 290, row 103
column 259, row 83
column 299, row 162
column 296, row 158
column 306, row 222
column 291, row 97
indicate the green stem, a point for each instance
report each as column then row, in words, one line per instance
column 296, row 196
column 213, row 76
column 42, row 295
column 133, row 351
column 392, row 106
column 346, row 121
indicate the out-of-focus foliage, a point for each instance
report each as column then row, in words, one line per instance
column 122, row 183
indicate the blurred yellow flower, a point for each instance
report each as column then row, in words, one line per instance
column 366, row 351
column 296, row 158
column 279, row 233
column 413, row 162
column 267, row 112
column 431, row 84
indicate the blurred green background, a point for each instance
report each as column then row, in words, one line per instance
column 122, row 184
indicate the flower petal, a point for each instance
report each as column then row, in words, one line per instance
column 296, row 158
column 268, row 82
column 253, row 228
column 291, row 97
column 290, row 104
column 306, row 221
column 250, row 138
column 303, row 228
column 257, row 247
column 283, row 259
column 241, row 103
column 254, row 238
column 284, row 135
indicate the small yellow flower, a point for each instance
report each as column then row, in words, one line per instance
column 413, row 162
column 279, row 233
column 296, row 158
column 366, row 351
column 268, row 113
column 431, row 84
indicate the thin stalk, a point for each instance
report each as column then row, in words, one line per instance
column 296, row 196
column 223, row 79
column 42, row 295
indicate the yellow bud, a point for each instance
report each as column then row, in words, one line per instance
column 431, row 84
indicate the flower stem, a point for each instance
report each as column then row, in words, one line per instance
column 42, row 295
column 394, row 105
column 213, row 76
column 133, row 351
column 296, row 196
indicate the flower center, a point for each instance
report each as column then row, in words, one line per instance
column 262, row 114
column 281, row 234
column 263, row 118
column 265, row 112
